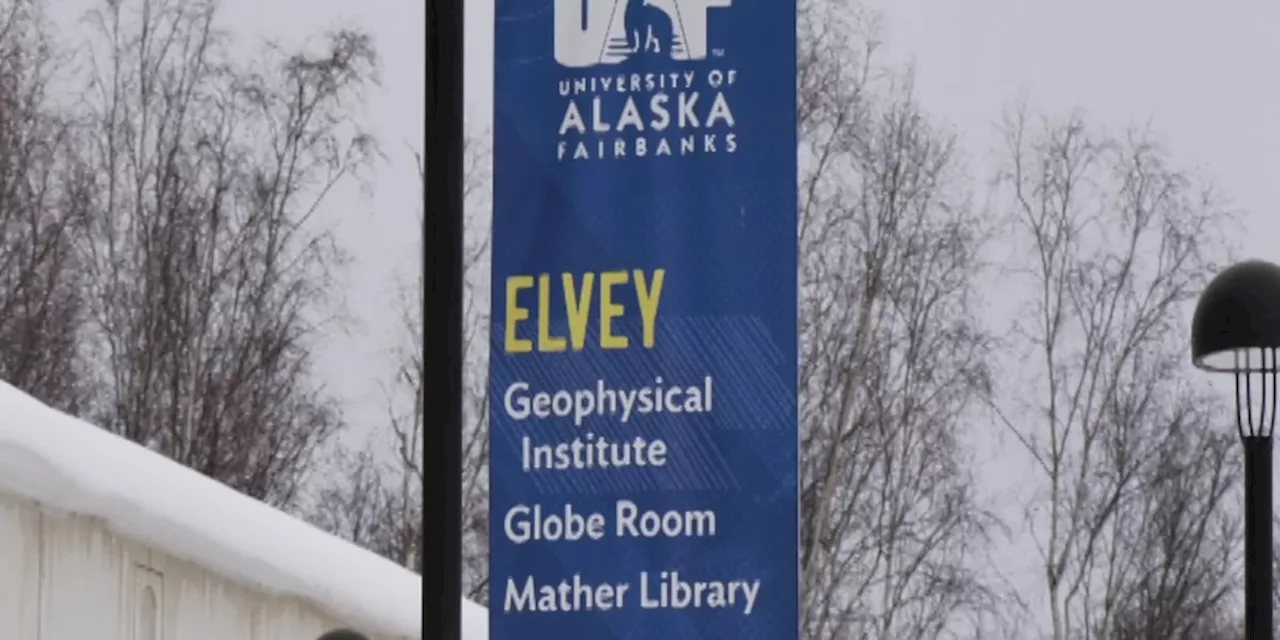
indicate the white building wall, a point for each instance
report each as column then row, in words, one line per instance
column 19, row 569
column 81, row 581
column 66, row 577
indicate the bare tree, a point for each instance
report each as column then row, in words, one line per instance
column 893, row 353
column 1172, row 567
column 377, row 502
column 368, row 507
column 1130, row 522
column 40, row 306
column 197, row 178
column 475, row 393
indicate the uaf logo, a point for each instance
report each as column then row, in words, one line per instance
column 600, row 32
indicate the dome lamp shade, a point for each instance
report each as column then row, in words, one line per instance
column 1236, row 327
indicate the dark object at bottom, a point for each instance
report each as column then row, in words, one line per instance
column 343, row 634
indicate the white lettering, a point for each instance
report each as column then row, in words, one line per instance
column 655, row 116
column 631, row 522
column 621, row 404
column 668, row 590
column 590, row 451
column 523, row 524
column 566, row 595
column 589, row 33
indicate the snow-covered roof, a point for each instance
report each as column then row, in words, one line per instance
column 70, row 465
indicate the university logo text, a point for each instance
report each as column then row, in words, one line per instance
column 655, row 109
column 606, row 32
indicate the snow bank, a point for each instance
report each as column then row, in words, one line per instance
column 475, row 621
column 73, row 466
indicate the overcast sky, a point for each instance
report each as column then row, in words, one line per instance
column 1202, row 73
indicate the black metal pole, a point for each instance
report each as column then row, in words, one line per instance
column 442, row 322
column 1257, row 539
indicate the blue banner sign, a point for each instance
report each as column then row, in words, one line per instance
column 643, row 443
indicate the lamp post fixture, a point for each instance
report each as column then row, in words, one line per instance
column 1236, row 330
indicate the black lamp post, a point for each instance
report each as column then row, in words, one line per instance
column 1237, row 330
column 442, row 297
